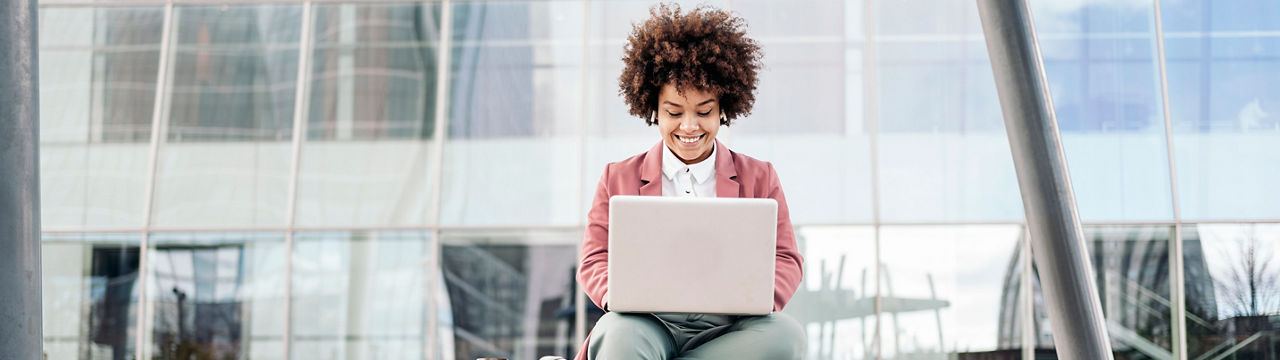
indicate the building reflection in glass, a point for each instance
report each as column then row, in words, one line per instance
column 836, row 303
column 90, row 295
column 1233, row 290
column 216, row 295
column 511, row 295
column 940, row 290
column 224, row 115
column 1131, row 270
column 361, row 294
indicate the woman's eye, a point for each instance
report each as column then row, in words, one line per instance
column 674, row 114
column 704, row 113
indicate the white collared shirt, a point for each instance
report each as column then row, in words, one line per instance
column 693, row 180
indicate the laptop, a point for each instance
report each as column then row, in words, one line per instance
column 692, row 255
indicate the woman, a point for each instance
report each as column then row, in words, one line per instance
column 689, row 73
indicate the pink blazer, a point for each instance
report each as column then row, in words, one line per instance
column 737, row 175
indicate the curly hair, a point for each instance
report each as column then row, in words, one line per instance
column 706, row 48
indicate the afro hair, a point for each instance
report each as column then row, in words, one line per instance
column 706, row 49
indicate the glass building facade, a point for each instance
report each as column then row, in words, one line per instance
column 409, row 180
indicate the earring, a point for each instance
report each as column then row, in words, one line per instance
column 723, row 119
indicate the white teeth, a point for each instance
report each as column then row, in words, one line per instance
column 688, row 140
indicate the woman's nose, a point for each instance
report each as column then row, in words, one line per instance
column 688, row 124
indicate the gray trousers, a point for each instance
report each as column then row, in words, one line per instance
column 645, row 336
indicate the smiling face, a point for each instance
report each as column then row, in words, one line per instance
column 688, row 123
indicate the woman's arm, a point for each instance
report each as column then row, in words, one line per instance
column 788, row 270
column 593, row 268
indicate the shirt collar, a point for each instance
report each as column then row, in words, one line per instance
column 701, row 171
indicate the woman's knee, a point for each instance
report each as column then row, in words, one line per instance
column 636, row 335
column 785, row 336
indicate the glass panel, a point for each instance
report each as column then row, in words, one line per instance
column 943, row 153
column 951, row 290
column 801, row 90
column 98, row 73
column 512, row 294
column 1105, row 82
column 365, row 183
column 1131, row 265
column 229, row 167
column 372, row 110
column 234, row 72
column 222, row 184
column 373, row 72
column 444, row 319
column 361, row 295
column 1233, row 290
column 1224, row 98
column 97, row 91
column 92, row 185
column 514, row 148
column 810, row 93
column 836, row 304
column 217, row 295
column 89, row 287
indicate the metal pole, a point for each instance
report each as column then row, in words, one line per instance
column 1177, row 269
column 20, row 334
column 1056, row 238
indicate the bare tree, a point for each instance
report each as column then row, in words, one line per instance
column 1252, row 286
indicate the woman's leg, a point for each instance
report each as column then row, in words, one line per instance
column 774, row 336
column 630, row 336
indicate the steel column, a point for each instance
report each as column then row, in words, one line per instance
column 1057, row 241
column 20, row 318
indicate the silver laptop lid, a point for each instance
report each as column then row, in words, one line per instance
column 692, row 255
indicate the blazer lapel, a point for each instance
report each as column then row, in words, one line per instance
column 726, row 173
column 651, row 172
